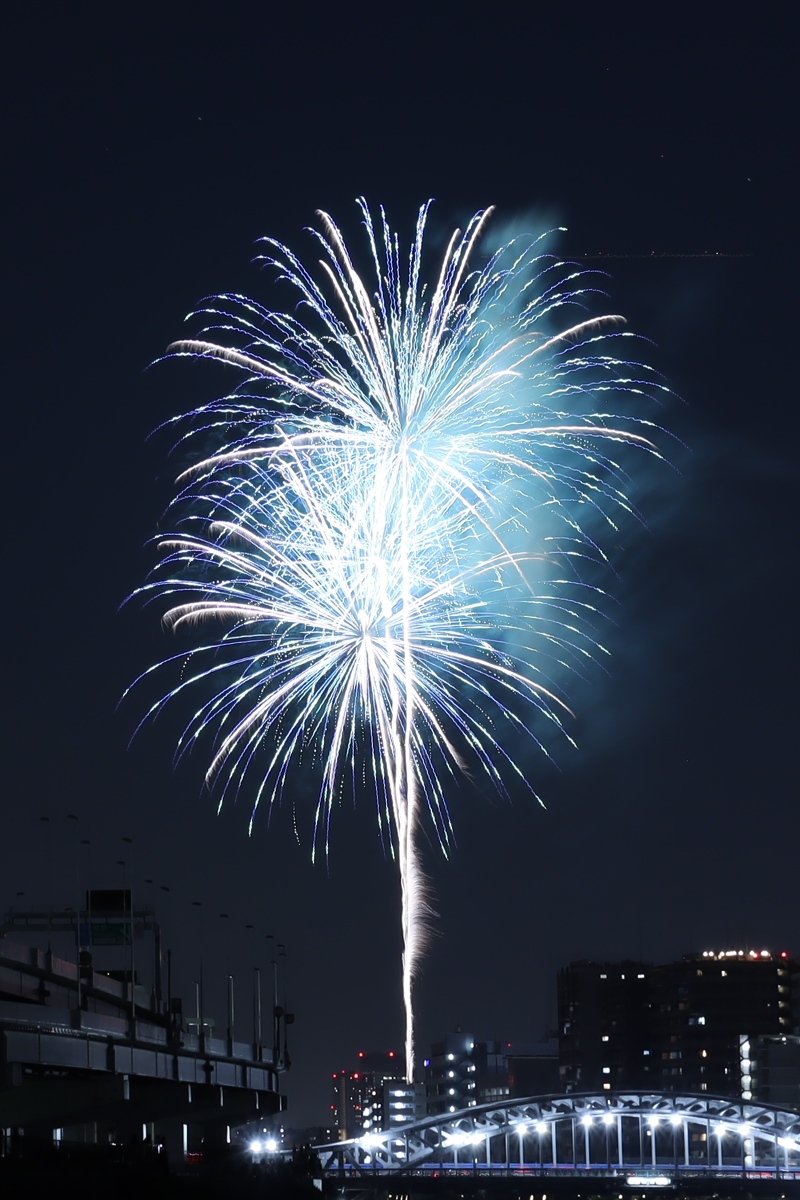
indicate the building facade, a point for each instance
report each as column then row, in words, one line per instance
column 680, row 1026
column 374, row 1095
column 604, row 1034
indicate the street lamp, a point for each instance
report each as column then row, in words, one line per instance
column 46, row 822
column 200, row 997
column 129, row 842
column 224, row 916
column 72, row 817
column 163, row 888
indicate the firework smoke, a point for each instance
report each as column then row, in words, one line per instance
column 387, row 537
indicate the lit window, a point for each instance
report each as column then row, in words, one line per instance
column 606, row 1070
column 604, row 1038
column 604, row 977
column 640, row 976
column 607, row 1087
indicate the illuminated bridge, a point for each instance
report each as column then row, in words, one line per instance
column 631, row 1140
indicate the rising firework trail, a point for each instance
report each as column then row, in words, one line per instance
column 393, row 534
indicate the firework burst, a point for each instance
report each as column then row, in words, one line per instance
column 387, row 537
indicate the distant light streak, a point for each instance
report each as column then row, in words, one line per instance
column 656, row 254
column 390, row 524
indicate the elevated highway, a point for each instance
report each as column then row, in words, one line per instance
column 84, row 1058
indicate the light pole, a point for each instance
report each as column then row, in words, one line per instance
column 72, row 817
column 163, row 888
column 288, row 1017
column 89, row 939
column 256, row 1005
column 200, row 997
column 269, row 937
column 229, row 979
column 129, row 842
column 46, row 822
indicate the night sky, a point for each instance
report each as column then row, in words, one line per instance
column 146, row 149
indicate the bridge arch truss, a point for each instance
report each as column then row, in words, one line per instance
column 592, row 1134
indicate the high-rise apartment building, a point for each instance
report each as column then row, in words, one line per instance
column 361, row 1096
column 677, row 1027
column 462, row 1073
column 450, row 1074
column 703, row 1005
column 375, row 1096
column 604, row 1033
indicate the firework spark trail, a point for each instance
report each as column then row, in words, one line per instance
column 363, row 527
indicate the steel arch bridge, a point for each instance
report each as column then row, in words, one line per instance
column 641, row 1134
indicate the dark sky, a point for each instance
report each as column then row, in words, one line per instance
column 146, row 148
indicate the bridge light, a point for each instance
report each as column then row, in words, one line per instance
column 541, row 1127
column 608, row 1119
column 654, row 1119
column 463, row 1137
column 676, row 1119
column 371, row 1139
column 521, row 1128
column 586, row 1120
